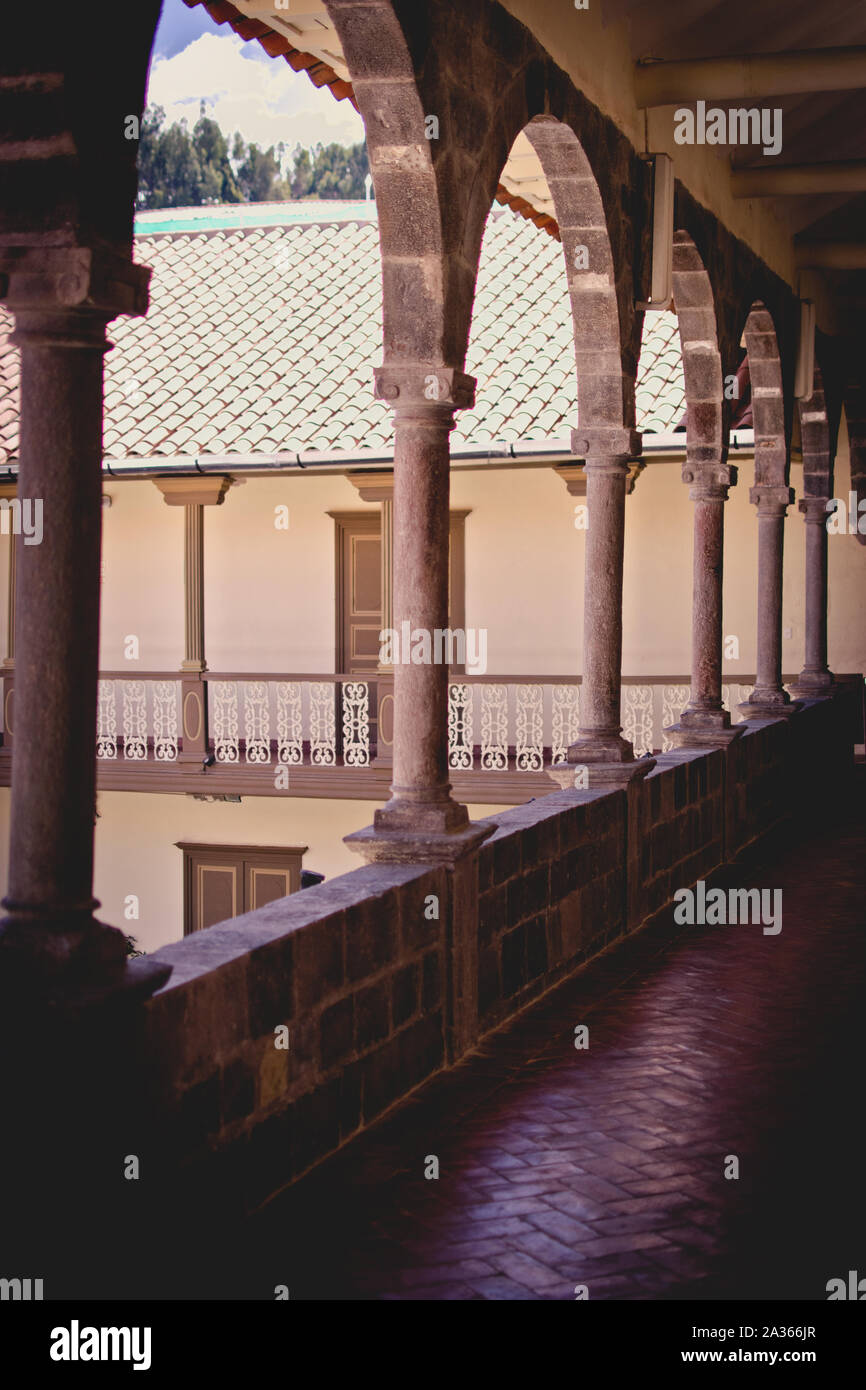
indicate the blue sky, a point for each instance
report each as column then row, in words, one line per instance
column 195, row 59
column 179, row 26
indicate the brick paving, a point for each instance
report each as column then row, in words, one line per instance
column 605, row 1167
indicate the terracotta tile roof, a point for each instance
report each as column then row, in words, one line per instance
column 278, row 46
column 262, row 338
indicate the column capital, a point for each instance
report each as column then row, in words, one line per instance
column 574, row 476
column 373, row 487
column 42, row 279
column 815, row 509
column 410, row 385
column 606, row 442
column 709, row 481
column 199, row 489
column 771, row 499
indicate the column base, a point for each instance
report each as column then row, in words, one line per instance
column 813, row 685
column 383, row 846
column 769, row 708
column 72, row 965
column 703, row 728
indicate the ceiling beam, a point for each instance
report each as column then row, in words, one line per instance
column 768, row 181
column 750, row 75
column 831, row 255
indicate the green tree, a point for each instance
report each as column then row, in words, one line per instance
column 177, row 168
column 258, row 174
column 219, row 184
column 330, row 171
column 301, row 180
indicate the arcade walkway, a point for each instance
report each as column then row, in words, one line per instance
column 606, row 1167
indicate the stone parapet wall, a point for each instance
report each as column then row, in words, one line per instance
column 378, row 992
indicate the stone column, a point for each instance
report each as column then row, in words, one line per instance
column 421, row 822
column 600, row 748
column 193, row 584
column 62, row 300
column 816, row 678
column 705, row 722
column 194, row 494
column 769, row 700
column 379, row 487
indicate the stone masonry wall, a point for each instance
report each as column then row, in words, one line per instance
column 377, row 990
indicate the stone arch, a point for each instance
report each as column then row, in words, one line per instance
column 816, row 440
column 772, row 465
column 706, row 415
column 602, row 399
column 68, row 174
column 421, row 294
column 596, row 181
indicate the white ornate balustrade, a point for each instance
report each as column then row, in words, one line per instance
column 138, row 719
column 511, row 724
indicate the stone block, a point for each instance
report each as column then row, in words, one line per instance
column 405, row 992
column 541, row 842
column 513, row 961
column 372, row 1014
column 412, row 333
column 506, row 856
column 316, row 1124
column 371, row 936
column 406, row 201
column 269, row 985
column 493, row 913
column 400, row 1063
column 272, row 1078
column 318, row 952
column 528, row 894
column 418, row 930
column 336, row 1032
column 350, row 1096
column 431, row 981
column 237, row 1091
column 536, row 946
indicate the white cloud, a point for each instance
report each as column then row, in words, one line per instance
column 265, row 100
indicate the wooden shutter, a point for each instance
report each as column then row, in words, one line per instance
column 224, row 881
column 359, row 587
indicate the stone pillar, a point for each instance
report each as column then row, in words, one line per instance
column 600, row 748
column 62, row 299
column 194, row 494
column 769, row 700
column 379, row 487
column 193, row 584
column 705, row 722
column 421, row 822
column 816, row 678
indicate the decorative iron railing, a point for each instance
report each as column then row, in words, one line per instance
column 495, row 724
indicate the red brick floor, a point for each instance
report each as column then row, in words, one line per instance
column 605, row 1167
